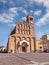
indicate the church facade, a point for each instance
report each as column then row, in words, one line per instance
column 22, row 37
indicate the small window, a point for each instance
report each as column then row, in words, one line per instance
column 20, row 25
column 39, row 43
column 23, row 26
column 18, row 31
column 28, row 28
column 40, row 47
column 23, row 31
column 31, row 19
column 23, row 38
column 28, row 32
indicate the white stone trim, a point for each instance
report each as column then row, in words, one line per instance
column 24, row 41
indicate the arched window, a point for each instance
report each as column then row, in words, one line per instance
column 19, row 38
column 32, row 40
column 28, row 38
column 18, row 31
column 23, row 25
column 28, row 32
column 28, row 27
column 23, row 31
column 23, row 38
column 18, row 26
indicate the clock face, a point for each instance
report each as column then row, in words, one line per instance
column 31, row 21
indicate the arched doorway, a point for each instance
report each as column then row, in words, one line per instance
column 24, row 47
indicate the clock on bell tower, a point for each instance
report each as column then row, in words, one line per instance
column 30, row 19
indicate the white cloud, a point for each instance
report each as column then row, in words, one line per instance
column 26, row 2
column 24, row 18
column 45, row 2
column 13, row 25
column 38, row 12
column 31, row 11
column 15, row 9
column 5, row 18
column 31, row 0
column 25, row 11
column 44, row 19
column 39, row 34
column 3, row 1
column 39, row 1
column 8, row 17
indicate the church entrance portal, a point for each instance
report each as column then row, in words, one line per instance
column 24, row 47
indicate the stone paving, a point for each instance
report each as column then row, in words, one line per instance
column 24, row 59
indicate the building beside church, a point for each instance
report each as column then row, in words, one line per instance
column 45, row 42
column 2, row 48
column 22, row 37
column 39, row 46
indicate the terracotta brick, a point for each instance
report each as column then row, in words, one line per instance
column 23, row 30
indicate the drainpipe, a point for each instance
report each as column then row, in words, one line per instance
column 30, row 45
column 34, row 44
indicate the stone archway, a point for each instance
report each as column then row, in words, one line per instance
column 24, row 44
column 24, row 47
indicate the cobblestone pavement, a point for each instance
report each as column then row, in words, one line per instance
column 24, row 59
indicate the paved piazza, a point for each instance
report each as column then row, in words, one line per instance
column 24, row 59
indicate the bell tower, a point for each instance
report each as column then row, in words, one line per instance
column 30, row 19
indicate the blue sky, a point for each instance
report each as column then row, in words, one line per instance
column 12, row 11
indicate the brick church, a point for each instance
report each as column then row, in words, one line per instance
column 22, row 37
